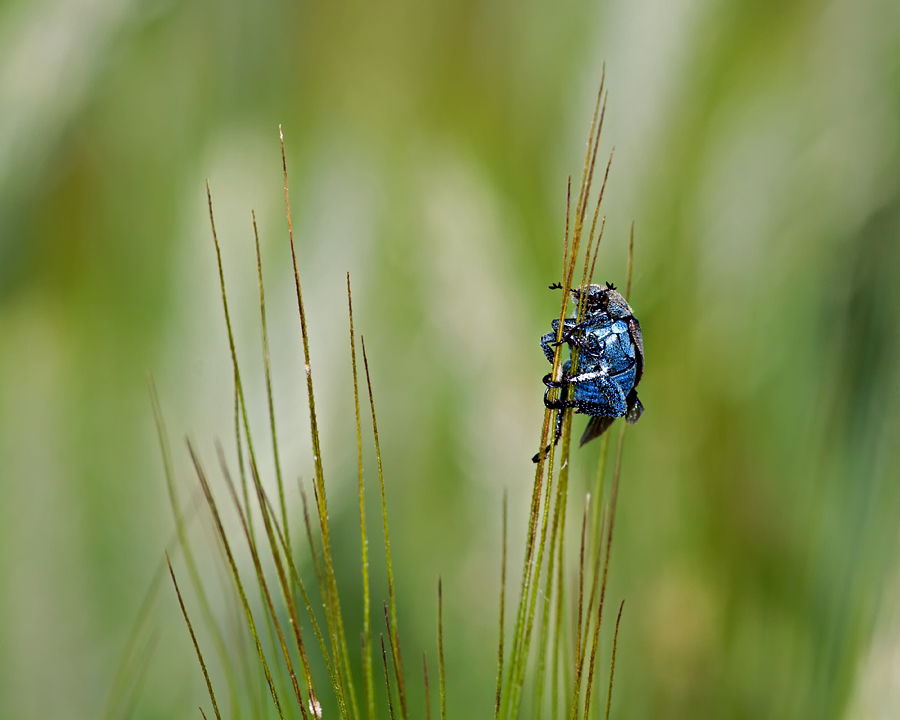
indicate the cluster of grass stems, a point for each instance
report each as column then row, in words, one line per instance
column 556, row 675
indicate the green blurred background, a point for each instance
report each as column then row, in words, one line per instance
column 428, row 145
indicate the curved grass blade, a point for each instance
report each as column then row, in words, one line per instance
column 398, row 668
column 209, row 687
column 427, row 692
column 240, row 405
column 295, row 575
column 260, row 576
column 387, row 679
column 236, row 576
column 188, row 553
column 367, row 630
column 612, row 663
column 268, row 373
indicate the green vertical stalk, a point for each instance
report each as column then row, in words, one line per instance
column 336, row 629
column 398, row 666
column 209, row 687
column 268, row 373
column 367, row 630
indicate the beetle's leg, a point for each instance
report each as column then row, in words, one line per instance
column 563, row 380
column 560, row 414
column 548, row 341
column 550, row 383
column 560, row 405
column 547, row 344
column 571, row 328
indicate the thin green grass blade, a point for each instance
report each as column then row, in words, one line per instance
column 558, row 530
column 268, row 373
column 556, row 533
column 334, row 623
column 336, row 628
column 261, row 494
column 517, row 657
column 588, row 277
column 561, row 489
column 588, row 171
column 612, row 663
column 398, row 668
column 427, row 692
column 295, row 575
column 188, row 553
column 367, row 630
column 387, row 679
column 139, row 649
column 441, row 651
column 394, row 642
column 598, row 492
column 142, row 664
column 282, row 578
column 502, row 616
column 240, row 405
column 324, row 589
column 541, row 497
column 239, row 444
column 532, row 567
column 317, row 564
column 583, row 632
column 589, row 690
column 210, row 500
column 580, row 624
column 609, row 537
column 139, row 638
column 559, row 646
column 142, row 636
column 209, row 687
column 585, row 276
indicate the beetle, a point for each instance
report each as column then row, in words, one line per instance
column 610, row 362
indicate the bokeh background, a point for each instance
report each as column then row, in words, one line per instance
column 756, row 149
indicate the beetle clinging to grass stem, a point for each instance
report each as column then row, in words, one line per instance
column 610, row 361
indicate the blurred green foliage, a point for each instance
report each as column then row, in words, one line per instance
column 429, row 144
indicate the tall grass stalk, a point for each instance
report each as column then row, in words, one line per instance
column 548, row 509
column 551, row 633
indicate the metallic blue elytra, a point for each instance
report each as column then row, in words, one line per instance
column 610, row 362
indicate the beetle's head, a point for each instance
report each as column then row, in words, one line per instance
column 603, row 299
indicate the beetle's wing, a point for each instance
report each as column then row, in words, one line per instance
column 597, row 425
column 634, row 329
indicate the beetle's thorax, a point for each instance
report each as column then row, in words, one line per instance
column 603, row 299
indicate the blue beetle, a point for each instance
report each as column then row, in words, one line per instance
column 610, row 362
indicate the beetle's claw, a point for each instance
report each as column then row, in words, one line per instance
column 551, row 383
column 537, row 455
